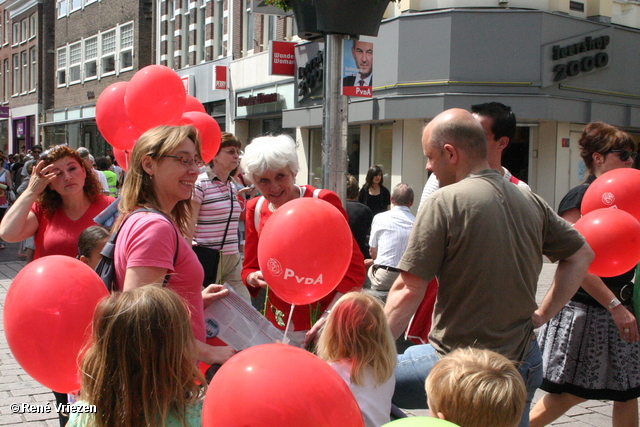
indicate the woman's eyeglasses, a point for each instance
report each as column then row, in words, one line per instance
column 625, row 154
column 188, row 161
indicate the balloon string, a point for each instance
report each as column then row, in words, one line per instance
column 285, row 340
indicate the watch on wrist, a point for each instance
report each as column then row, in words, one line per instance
column 614, row 303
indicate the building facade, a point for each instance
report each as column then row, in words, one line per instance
column 558, row 69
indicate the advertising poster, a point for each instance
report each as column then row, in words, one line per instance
column 357, row 68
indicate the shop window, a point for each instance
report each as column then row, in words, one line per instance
column 75, row 60
column 109, row 52
column 62, row 67
column 381, row 150
column 91, row 58
column 315, row 158
column 126, row 47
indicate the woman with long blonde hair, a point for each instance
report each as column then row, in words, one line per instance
column 139, row 370
column 150, row 249
column 357, row 342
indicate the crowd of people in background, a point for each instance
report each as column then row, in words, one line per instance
column 186, row 228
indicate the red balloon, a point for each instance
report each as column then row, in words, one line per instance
column 276, row 385
column 122, row 157
column 155, row 96
column 209, row 131
column 617, row 188
column 193, row 104
column 47, row 318
column 614, row 236
column 112, row 119
column 305, row 250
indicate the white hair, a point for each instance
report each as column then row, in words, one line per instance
column 270, row 153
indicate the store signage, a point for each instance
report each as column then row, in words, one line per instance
column 220, row 81
column 282, row 60
column 261, row 98
column 4, row 112
column 310, row 76
column 576, row 56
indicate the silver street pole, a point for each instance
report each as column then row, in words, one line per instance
column 334, row 119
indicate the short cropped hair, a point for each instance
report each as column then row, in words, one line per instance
column 476, row 388
column 504, row 121
column 466, row 135
column 352, row 187
column 402, row 195
column 270, row 153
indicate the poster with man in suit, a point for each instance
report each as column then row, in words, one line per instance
column 357, row 69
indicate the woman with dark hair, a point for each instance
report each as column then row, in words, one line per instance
column 373, row 193
column 590, row 349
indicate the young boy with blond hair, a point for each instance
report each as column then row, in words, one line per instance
column 476, row 388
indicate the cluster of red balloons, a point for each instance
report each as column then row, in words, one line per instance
column 315, row 228
column 154, row 96
column 610, row 221
column 47, row 318
column 279, row 385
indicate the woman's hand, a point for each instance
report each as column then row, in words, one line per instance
column 626, row 323
column 213, row 293
column 313, row 334
column 41, row 176
column 211, row 354
column 256, row 279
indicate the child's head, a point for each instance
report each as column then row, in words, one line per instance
column 141, row 362
column 90, row 243
column 476, row 388
column 357, row 330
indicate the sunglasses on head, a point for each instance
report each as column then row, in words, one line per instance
column 625, row 154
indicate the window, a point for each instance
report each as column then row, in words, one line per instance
column 5, row 82
column 91, row 58
column 6, row 27
column 16, row 74
column 33, row 55
column 109, row 52
column 24, row 24
column 16, row 33
column 33, row 25
column 25, row 71
column 62, row 8
column 1, row 30
column 75, row 5
column 62, row 66
column 75, row 59
column 126, row 47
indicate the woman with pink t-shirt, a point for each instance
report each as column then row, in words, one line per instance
column 163, row 169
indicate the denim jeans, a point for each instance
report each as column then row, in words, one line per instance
column 531, row 371
column 416, row 363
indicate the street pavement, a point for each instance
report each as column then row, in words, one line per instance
column 16, row 387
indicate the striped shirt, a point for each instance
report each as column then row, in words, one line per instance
column 216, row 200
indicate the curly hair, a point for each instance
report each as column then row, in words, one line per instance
column 49, row 199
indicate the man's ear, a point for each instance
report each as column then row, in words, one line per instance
column 503, row 143
column 451, row 153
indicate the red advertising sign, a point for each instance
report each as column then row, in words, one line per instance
column 221, row 77
column 282, row 58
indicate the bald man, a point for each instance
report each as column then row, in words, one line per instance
column 483, row 238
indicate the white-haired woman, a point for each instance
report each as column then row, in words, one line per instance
column 272, row 164
column 163, row 169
